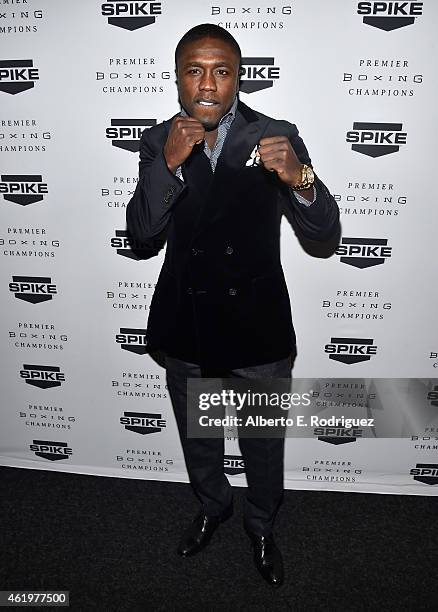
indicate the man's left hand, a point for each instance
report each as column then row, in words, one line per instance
column 277, row 155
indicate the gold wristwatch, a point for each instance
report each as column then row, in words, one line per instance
column 307, row 178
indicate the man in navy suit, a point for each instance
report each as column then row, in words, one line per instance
column 216, row 179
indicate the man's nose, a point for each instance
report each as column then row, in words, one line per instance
column 208, row 82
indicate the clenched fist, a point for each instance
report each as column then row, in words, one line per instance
column 277, row 155
column 184, row 134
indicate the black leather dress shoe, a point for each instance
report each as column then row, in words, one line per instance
column 267, row 559
column 199, row 534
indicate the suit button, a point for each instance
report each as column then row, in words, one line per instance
column 194, row 251
column 232, row 291
column 190, row 291
column 229, row 250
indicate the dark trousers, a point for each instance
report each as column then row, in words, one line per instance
column 204, row 457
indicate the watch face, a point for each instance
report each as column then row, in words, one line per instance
column 310, row 176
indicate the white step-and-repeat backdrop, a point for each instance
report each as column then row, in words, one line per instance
column 79, row 81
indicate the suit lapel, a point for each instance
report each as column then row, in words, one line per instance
column 244, row 134
column 196, row 170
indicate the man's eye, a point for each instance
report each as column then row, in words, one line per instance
column 194, row 71
column 223, row 72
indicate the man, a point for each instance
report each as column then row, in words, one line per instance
column 221, row 306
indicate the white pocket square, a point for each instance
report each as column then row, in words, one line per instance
column 253, row 159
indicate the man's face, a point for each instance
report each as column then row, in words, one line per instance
column 208, row 79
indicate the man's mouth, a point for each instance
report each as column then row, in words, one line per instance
column 207, row 102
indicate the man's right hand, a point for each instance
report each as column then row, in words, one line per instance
column 184, row 134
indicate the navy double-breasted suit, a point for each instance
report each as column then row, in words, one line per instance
column 221, row 298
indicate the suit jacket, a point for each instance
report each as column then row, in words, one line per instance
column 221, row 299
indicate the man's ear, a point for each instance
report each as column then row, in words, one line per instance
column 239, row 77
